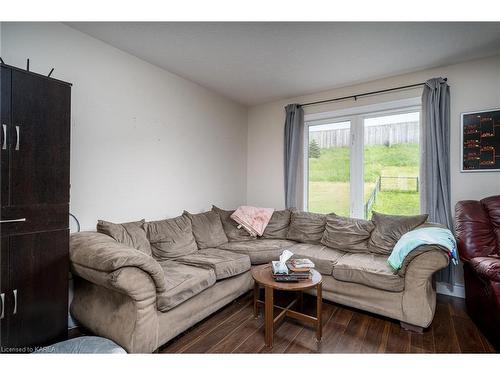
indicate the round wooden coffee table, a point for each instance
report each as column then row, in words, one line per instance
column 263, row 277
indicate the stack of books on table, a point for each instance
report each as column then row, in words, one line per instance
column 293, row 270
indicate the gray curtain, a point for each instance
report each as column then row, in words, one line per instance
column 435, row 159
column 294, row 156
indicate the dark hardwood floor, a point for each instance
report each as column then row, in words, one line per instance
column 233, row 329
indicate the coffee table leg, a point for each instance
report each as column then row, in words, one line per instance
column 256, row 289
column 300, row 301
column 319, row 303
column 269, row 316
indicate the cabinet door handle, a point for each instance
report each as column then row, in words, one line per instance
column 2, row 300
column 17, row 137
column 4, row 143
column 12, row 220
column 15, row 302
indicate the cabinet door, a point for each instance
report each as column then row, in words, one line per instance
column 4, row 289
column 5, row 122
column 40, row 153
column 38, row 288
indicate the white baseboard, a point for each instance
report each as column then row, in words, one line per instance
column 455, row 290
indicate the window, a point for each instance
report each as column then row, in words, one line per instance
column 329, row 168
column 363, row 161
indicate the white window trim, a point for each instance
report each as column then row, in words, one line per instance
column 345, row 112
column 356, row 115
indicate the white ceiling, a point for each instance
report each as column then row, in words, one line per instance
column 253, row 63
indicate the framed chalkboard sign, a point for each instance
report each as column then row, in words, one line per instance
column 481, row 141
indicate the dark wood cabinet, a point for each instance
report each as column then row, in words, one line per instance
column 39, row 162
column 37, row 314
column 4, row 289
column 34, row 226
column 5, row 83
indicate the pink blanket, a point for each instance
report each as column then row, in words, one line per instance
column 253, row 219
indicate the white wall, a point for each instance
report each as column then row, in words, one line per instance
column 474, row 86
column 145, row 143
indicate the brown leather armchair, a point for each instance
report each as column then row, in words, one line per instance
column 478, row 233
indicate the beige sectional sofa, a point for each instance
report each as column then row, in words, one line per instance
column 140, row 284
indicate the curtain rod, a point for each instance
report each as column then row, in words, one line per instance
column 355, row 97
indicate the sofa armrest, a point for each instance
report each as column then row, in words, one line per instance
column 436, row 254
column 487, row 267
column 120, row 306
column 419, row 295
column 98, row 258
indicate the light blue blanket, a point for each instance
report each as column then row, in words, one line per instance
column 423, row 236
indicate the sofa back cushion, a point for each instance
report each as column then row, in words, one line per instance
column 389, row 229
column 171, row 238
column 207, row 229
column 477, row 226
column 230, row 226
column 277, row 228
column 306, row 227
column 131, row 234
column 347, row 234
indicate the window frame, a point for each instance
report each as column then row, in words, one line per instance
column 356, row 116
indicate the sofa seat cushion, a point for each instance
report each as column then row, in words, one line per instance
column 224, row 263
column 183, row 282
column 368, row 269
column 323, row 257
column 487, row 267
column 260, row 251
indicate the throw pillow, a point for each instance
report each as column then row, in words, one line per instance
column 207, row 229
column 171, row 238
column 389, row 229
column 277, row 228
column 307, row 227
column 230, row 226
column 347, row 234
column 131, row 234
